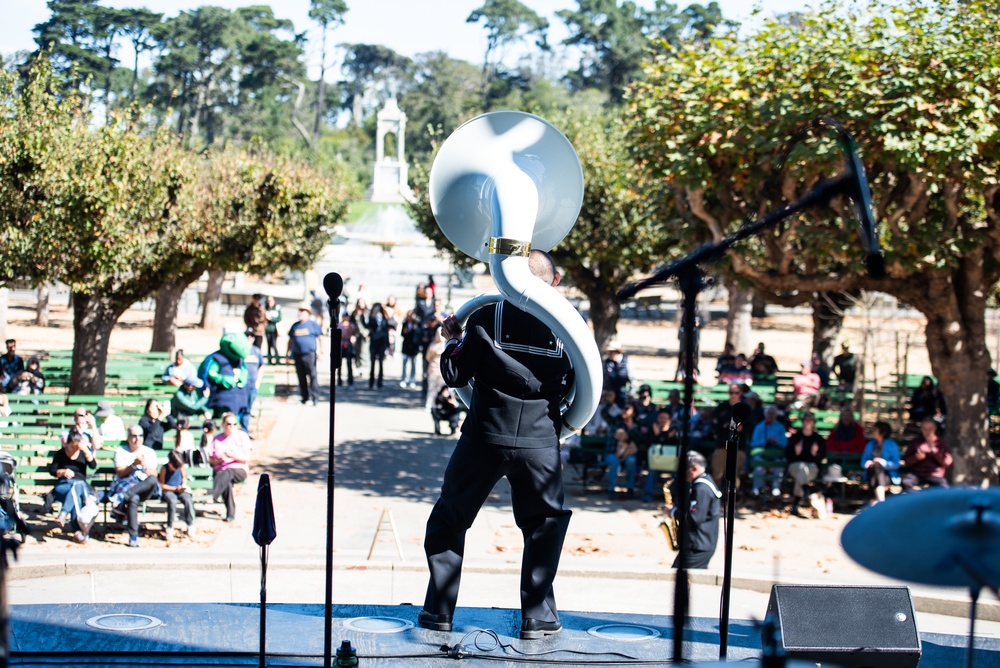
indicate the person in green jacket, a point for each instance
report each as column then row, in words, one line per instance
column 190, row 399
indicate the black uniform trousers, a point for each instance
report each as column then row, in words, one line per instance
column 305, row 369
column 535, row 476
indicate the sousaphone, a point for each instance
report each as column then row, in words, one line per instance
column 502, row 184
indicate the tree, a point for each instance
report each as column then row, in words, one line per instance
column 328, row 14
column 507, row 22
column 67, row 39
column 617, row 38
column 137, row 26
column 95, row 209
column 918, row 85
column 443, row 94
column 253, row 211
column 365, row 65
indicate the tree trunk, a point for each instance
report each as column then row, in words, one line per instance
column 828, row 319
column 604, row 314
column 211, row 310
column 93, row 319
column 956, row 346
column 42, row 310
column 739, row 328
column 759, row 309
column 320, row 89
column 168, row 298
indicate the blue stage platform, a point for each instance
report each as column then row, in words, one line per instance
column 219, row 634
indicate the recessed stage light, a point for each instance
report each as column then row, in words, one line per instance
column 124, row 622
column 623, row 632
column 377, row 624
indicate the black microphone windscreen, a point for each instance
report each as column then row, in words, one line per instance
column 741, row 412
column 333, row 284
column 876, row 265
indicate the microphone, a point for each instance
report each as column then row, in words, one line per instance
column 857, row 189
column 334, row 285
column 741, row 412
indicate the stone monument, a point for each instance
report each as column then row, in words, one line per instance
column 389, row 177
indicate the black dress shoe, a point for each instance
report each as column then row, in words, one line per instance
column 533, row 629
column 434, row 622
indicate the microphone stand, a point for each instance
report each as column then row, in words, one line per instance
column 732, row 448
column 333, row 305
column 691, row 280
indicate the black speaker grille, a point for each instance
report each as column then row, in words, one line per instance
column 844, row 620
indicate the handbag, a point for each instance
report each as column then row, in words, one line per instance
column 86, row 515
column 662, row 457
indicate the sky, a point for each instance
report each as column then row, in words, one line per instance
column 408, row 27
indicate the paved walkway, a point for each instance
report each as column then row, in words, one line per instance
column 615, row 559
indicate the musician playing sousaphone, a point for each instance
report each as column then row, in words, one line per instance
column 521, row 374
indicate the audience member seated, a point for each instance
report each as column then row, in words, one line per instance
column 768, row 434
column 153, row 426
column 927, row 458
column 927, row 401
column 173, row 482
column 676, row 407
column 805, row 385
column 179, row 371
column 645, row 415
column 605, row 416
column 85, row 425
column 845, row 365
column 135, row 468
column 190, row 399
column 762, row 365
column 804, row 453
column 623, row 450
column 820, row 369
column 756, row 410
column 110, row 426
column 617, row 374
column 665, row 432
column 10, row 363
column 184, row 440
column 880, row 460
column 446, row 409
column 847, row 435
column 737, row 372
column 723, row 415
column 726, row 359
column 70, row 467
column 702, row 424
column 229, row 455
column 29, row 381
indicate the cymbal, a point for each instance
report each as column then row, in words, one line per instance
column 946, row 537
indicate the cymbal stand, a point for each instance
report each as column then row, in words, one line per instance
column 979, row 582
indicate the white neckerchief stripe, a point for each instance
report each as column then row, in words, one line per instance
column 521, row 347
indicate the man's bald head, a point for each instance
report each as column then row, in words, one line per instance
column 543, row 266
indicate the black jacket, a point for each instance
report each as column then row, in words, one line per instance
column 703, row 520
column 521, row 374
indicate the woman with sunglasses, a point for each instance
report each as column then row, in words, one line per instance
column 229, row 455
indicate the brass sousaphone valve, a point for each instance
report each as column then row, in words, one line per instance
column 503, row 183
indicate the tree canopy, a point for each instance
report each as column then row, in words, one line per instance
column 918, row 85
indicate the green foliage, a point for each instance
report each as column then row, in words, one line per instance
column 617, row 38
column 916, row 84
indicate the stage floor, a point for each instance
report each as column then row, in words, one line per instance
column 226, row 634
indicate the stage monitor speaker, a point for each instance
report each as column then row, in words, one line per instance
column 849, row 626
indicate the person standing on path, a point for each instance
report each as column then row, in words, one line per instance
column 521, row 374
column 305, row 345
